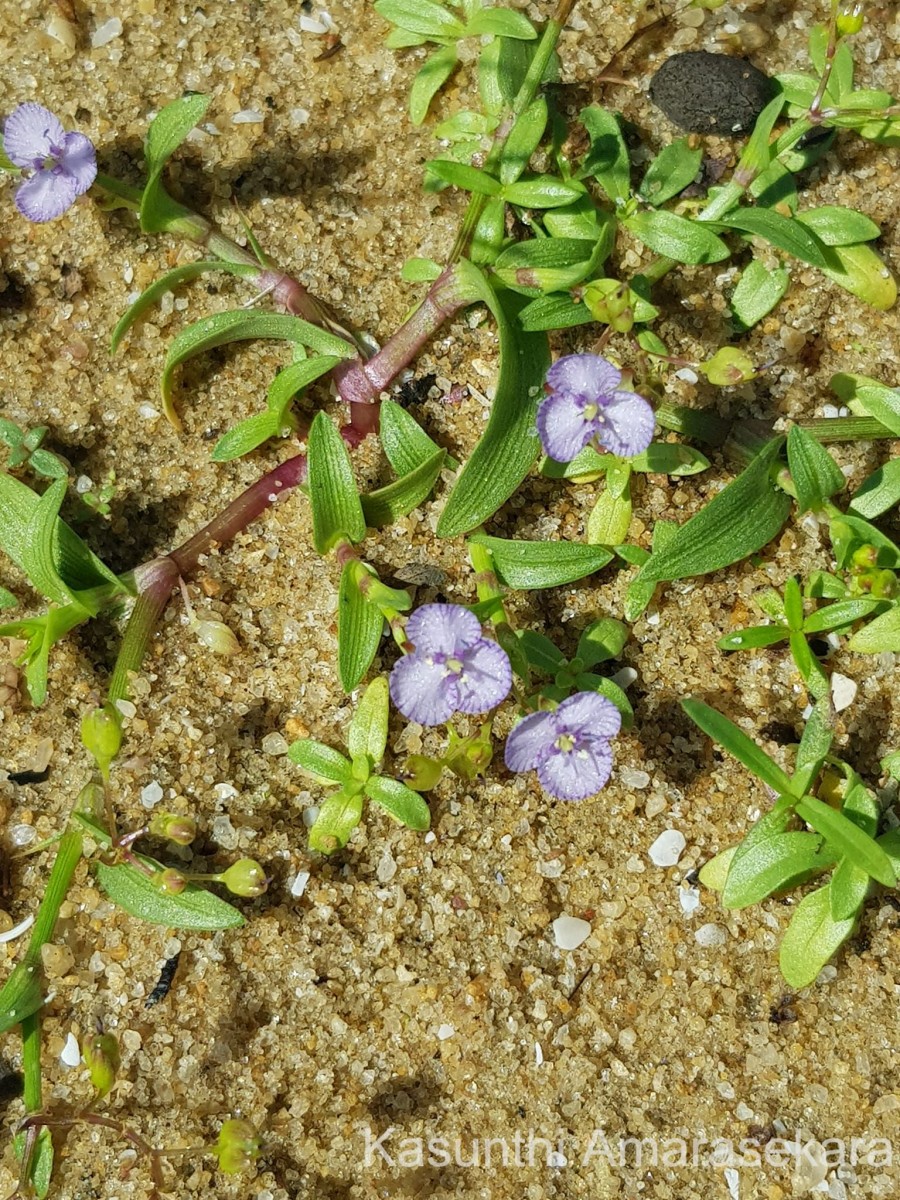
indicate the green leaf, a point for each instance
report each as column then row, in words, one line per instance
column 290, row 381
column 138, row 895
column 461, row 175
column 584, row 220
column 838, row 226
column 528, row 565
column 502, row 22
column 78, row 568
column 609, row 519
column 811, row 939
column 395, row 500
column 7, row 599
column 320, row 761
column 404, row 441
column 757, row 293
column 736, row 742
column 847, row 838
column 336, row 509
column 881, row 634
column 869, row 398
column 524, row 137
column 784, row 232
column 237, row 326
column 879, row 492
column 420, row 270
column 367, row 735
column 41, row 1171
column 815, row 474
column 607, row 159
column 602, row 640
column 640, row 591
column 669, row 458
column 360, row 625
column 338, row 817
column 753, row 638
column 714, row 873
column 401, row 802
column 421, row 16
column 429, row 80
column 670, row 172
column 542, row 191
column 42, row 462
column 168, row 283
column 553, row 312
column 23, row 993
column 606, row 687
column 166, row 133
column 546, row 264
column 861, row 531
column 860, row 271
column 815, row 744
column 772, row 865
column 510, row 444
column 739, row 520
column 676, row 237
column 540, row 652
column 247, row 435
column 41, row 546
column 757, row 154
column 844, row 612
column 848, row 890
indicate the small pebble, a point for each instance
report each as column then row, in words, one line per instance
column 248, row 116
column 444, row 1032
column 711, row 935
column 106, row 32
column 57, row 960
column 151, row 794
column 634, row 779
column 274, row 744
column 298, row 887
column 70, row 1055
column 711, row 93
column 689, row 899
column 22, row 835
column 310, row 815
column 625, row 677
column 668, row 848
column 570, row 932
column 843, row 691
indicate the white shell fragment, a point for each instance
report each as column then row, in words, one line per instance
column 70, row 1056
column 668, row 848
column 711, row 935
column 570, row 932
column 107, row 32
column 298, row 887
column 843, row 691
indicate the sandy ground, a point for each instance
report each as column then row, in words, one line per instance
column 415, row 985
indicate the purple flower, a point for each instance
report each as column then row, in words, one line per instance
column 584, row 403
column 61, row 166
column 569, row 747
column 452, row 668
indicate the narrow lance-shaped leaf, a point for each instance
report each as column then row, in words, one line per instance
column 431, row 77
column 528, row 565
column 336, row 509
column 812, row 938
column 773, row 865
column 815, row 474
column 166, row 133
column 404, row 441
column 395, row 500
column 403, row 804
column 360, row 625
column 368, row 731
column 237, row 326
column 736, row 742
column 138, row 895
column 338, row 817
column 848, row 838
column 321, row 761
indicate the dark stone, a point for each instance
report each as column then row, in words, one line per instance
column 711, row 93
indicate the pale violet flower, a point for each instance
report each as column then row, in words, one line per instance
column 568, row 747
column 452, row 667
column 60, row 166
column 585, row 404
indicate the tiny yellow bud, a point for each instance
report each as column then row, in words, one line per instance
column 101, row 734
column 237, row 1147
column 849, row 19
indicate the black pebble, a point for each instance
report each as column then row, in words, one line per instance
column 711, row 93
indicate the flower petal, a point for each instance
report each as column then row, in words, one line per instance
column 628, row 424
column 576, row 774
column 586, row 375
column 531, row 741
column 443, row 629
column 485, row 679
column 45, row 195
column 79, row 160
column 589, row 713
column 422, row 690
column 29, row 133
column 562, row 426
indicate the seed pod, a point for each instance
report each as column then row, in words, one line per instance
column 237, row 1147
column 102, row 1058
column 174, row 828
column 245, row 878
column 101, row 734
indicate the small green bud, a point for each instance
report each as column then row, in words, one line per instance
column 102, row 1058
column 470, row 757
column 849, row 19
column 216, row 636
column 174, row 828
column 610, row 302
column 728, row 367
column 864, row 558
column 91, row 800
column 170, row 881
column 245, row 878
column 101, row 734
column 884, row 585
column 238, row 1146
column 422, row 773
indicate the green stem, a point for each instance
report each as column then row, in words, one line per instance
column 32, row 1093
column 156, row 582
column 487, row 585
column 847, row 429
column 67, row 858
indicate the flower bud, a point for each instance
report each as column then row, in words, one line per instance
column 237, row 1147
column 102, row 1058
column 728, row 367
column 90, row 800
column 245, row 878
column 170, row 881
column 849, row 18
column 216, row 636
column 864, row 558
column 174, row 828
column 101, row 734
column 883, row 585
